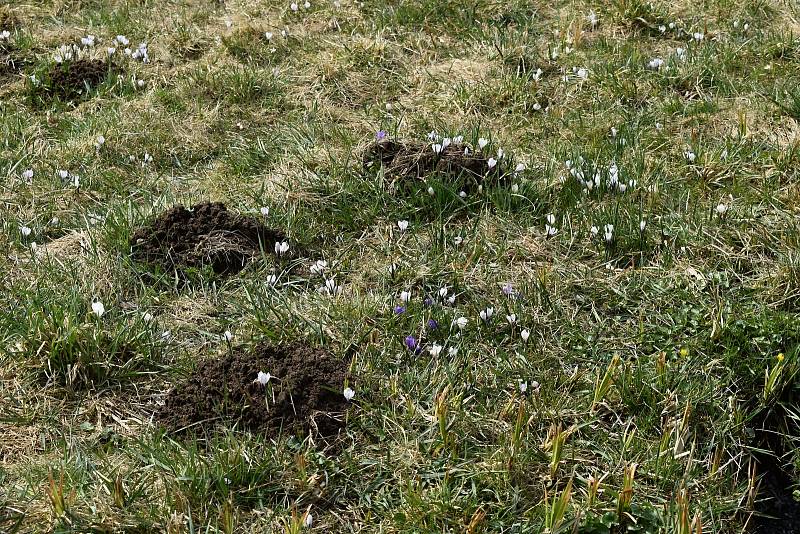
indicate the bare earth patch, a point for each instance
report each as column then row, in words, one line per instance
column 208, row 234
column 304, row 392
column 413, row 160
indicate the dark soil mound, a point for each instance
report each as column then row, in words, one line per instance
column 413, row 160
column 74, row 79
column 305, row 392
column 779, row 512
column 206, row 235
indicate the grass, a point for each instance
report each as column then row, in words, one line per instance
column 659, row 361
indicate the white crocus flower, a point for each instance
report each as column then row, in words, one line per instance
column 487, row 314
column 512, row 319
column 281, row 248
column 319, row 267
column 608, row 232
column 331, row 286
column 349, row 394
column 482, row 143
column 97, row 308
column 263, row 378
column 25, row 231
column 435, row 349
column 491, row 163
column 549, row 228
column 228, row 335
column 405, row 296
column 461, row 323
column 402, row 225
column 525, row 334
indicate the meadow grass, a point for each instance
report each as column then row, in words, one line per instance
column 642, row 265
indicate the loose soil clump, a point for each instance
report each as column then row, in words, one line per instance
column 72, row 80
column 303, row 394
column 415, row 160
column 207, row 235
column 778, row 511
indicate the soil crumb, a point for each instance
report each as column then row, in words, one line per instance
column 415, row 160
column 208, row 234
column 303, row 394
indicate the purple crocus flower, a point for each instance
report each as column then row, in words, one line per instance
column 399, row 309
column 432, row 324
column 380, row 135
column 508, row 290
column 411, row 342
column 428, row 301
